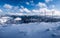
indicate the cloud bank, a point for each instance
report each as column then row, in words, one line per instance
column 40, row 9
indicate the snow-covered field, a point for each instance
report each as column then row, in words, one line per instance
column 30, row 30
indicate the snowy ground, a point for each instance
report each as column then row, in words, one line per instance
column 30, row 30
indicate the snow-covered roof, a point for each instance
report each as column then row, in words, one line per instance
column 17, row 18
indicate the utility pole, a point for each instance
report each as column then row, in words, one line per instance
column 52, row 14
column 45, row 15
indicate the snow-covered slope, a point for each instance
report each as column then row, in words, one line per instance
column 15, row 26
column 31, row 30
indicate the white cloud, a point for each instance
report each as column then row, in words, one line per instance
column 21, row 10
column 41, row 10
column 53, row 6
column 45, row 11
column 22, row 6
column 16, row 13
column 55, row 12
column 16, row 7
column 41, row 5
column 47, row 1
column 35, row 11
column 32, row 1
column 27, row 3
column 7, row 6
column 1, row 10
column 24, row 10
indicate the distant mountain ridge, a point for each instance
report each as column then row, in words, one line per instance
column 17, row 19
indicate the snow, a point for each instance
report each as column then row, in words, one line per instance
column 4, row 19
column 30, row 30
column 17, row 18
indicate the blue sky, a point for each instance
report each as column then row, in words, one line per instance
column 30, row 6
